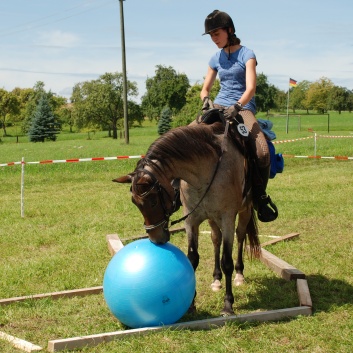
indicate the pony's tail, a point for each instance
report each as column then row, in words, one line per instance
column 253, row 236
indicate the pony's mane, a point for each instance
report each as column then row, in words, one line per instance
column 186, row 142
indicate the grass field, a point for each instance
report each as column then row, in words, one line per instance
column 70, row 208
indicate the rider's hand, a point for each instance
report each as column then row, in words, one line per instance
column 232, row 111
column 207, row 104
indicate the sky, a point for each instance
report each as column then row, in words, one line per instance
column 66, row 42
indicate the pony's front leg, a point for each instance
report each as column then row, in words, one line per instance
column 239, row 265
column 193, row 254
column 228, row 269
column 246, row 225
column 216, row 236
column 241, row 234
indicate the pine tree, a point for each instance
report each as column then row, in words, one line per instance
column 43, row 125
column 164, row 121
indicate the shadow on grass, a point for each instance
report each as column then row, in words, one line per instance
column 327, row 294
column 275, row 293
column 258, row 294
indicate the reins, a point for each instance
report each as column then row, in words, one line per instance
column 213, row 177
column 198, row 204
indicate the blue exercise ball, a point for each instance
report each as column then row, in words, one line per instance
column 146, row 284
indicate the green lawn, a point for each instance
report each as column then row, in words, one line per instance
column 70, row 208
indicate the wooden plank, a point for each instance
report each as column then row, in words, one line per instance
column 304, row 293
column 177, row 230
column 284, row 238
column 282, row 268
column 93, row 340
column 20, row 343
column 114, row 243
column 55, row 295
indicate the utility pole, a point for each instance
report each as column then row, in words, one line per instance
column 126, row 120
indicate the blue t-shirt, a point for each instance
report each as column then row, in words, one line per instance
column 231, row 73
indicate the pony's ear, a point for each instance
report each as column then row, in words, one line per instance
column 124, row 179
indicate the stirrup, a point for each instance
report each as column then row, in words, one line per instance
column 267, row 210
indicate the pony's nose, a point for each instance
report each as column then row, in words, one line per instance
column 160, row 237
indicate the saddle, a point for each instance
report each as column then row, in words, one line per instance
column 215, row 115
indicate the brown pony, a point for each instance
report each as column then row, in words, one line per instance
column 213, row 186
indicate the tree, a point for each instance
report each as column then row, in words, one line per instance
column 265, row 94
column 32, row 104
column 166, row 89
column 43, row 124
column 99, row 103
column 339, row 97
column 298, row 96
column 9, row 105
column 281, row 100
column 23, row 96
column 164, row 121
column 350, row 101
column 29, row 102
column 135, row 113
column 58, row 105
column 318, row 95
column 192, row 109
column 65, row 114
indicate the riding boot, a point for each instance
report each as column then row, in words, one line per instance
column 266, row 209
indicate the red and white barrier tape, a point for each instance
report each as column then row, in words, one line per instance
column 309, row 137
column 72, row 160
column 292, row 140
column 327, row 136
column 339, row 158
column 75, row 160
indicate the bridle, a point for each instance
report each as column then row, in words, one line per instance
column 160, row 190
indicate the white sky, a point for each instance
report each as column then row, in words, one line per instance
column 65, row 42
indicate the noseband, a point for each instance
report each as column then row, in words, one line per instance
column 160, row 189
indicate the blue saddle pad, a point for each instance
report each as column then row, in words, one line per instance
column 277, row 161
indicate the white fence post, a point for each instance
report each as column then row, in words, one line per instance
column 22, row 187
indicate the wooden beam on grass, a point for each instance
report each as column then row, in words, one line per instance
column 55, row 295
column 114, row 243
column 284, row 238
column 94, row 340
column 177, row 230
column 282, row 268
column 304, row 293
column 20, row 343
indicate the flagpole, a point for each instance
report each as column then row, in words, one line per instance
column 287, row 122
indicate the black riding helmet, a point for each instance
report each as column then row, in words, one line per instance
column 218, row 19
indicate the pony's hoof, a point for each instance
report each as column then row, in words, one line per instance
column 216, row 285
column 227, row 312
column 239, row 280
